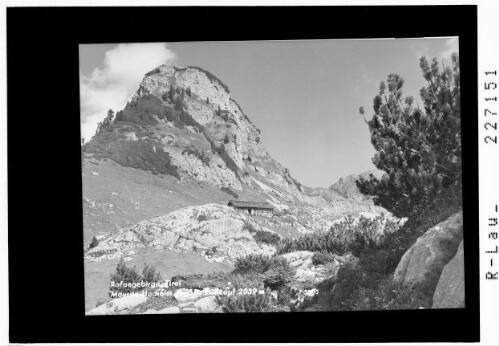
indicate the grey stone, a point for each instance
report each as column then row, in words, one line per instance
column 450, row 288
column 424, row 261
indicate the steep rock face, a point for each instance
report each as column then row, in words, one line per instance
column 450, row 288
column 215, row 172
column 424, row 261
column 207, row 94
column 224, row 121
column 214, row 231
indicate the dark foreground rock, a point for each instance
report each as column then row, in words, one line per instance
column 450, row 288
column 424, row 261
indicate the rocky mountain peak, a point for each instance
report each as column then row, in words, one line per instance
column 201, row 83
column 187, row 118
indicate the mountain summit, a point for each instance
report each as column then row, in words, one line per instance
column 185, row 119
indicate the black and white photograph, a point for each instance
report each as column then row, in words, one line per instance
column 221, row 173
column 272, row 176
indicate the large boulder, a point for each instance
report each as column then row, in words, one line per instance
column 207, row 304
column 424, row 261
column 450, row 288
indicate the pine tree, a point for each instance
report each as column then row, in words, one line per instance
column 419, row 150
column 106, row 124
column 188, row 91
column 207, row 101
column 94, row 243
column 171, row 93
column 178, row 104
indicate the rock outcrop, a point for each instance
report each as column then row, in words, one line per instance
column 450, row 288
column 424, row 261
column 214, row 231
column 305, row 270
column 207, row 304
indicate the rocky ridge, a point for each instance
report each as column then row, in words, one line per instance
column 216, row 232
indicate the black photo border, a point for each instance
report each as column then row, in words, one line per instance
column 46, row 290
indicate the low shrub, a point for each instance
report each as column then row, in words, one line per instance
column 211, row 251
column 150, row 274
column 202, row 217
column 322, row 258
column 127, row 275
column 93, row 243
column 252, row 263
column 130, row 275
column 278, row 274
column 350, row 235
column 248, row 303
column 265, row 237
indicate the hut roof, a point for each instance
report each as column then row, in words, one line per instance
column 249, row 204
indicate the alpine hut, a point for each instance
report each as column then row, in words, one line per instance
column 252, row 208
